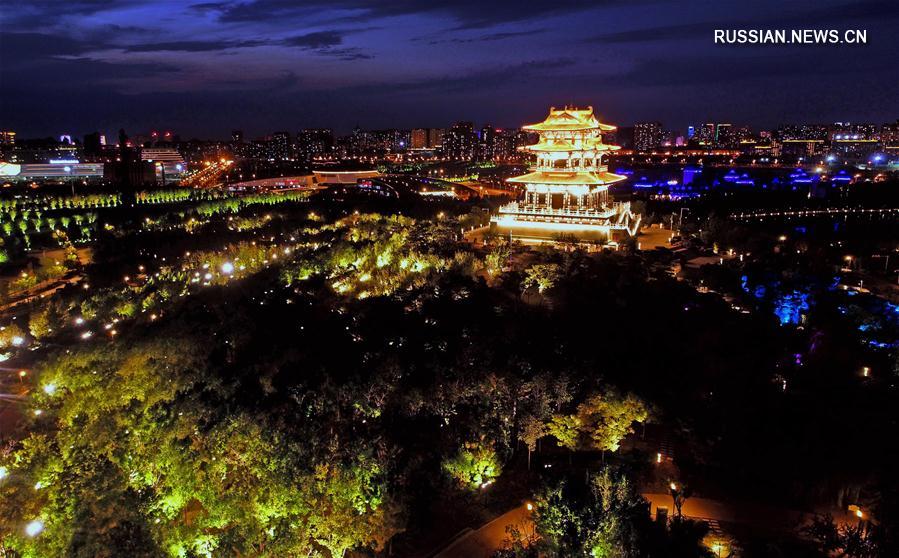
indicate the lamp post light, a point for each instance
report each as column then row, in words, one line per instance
column 34, row 528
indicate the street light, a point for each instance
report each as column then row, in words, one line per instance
column 34, row 528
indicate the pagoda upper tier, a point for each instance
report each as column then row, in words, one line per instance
column 570, row 150
column 566, row 145
column 570, row 120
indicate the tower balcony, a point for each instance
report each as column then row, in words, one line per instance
column 540, row 212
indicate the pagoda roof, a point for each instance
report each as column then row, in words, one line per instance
column 546, row 145
column 568, row 178
column 569, row 119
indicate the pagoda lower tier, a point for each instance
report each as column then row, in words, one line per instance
column 542, row 223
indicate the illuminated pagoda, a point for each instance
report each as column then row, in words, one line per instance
column 566, row 194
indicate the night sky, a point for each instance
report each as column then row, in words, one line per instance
column 203, row 69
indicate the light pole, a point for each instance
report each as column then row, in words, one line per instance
column 680, row 220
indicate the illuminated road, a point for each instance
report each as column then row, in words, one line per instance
column 208, row 176
column 651, row 238
column 758, row 516
column 493, row 536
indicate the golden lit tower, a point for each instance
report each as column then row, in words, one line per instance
column 567, row 192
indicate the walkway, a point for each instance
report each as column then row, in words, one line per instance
column 489, row 538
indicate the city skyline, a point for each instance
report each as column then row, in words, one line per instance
column 208, row 68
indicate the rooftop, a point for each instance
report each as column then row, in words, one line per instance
column 568, row 178
column 570, row 119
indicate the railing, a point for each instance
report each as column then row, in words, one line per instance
column 531, row 209
column 586, row 168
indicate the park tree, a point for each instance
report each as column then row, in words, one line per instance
column 566, row 429
column 498, row 257
column 608, row 417
column 40, row 322
column 474, row 466
column 134, row 454
column 532, row 430
column 10, row 335
column 541, row 276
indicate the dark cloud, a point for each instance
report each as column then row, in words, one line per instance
column 320, row 42
column 663, row 33
column 317, row 40
column 16, row 47
column 71, row 6
column 327, row 43
column 488, row 78
column 209, row 6
column 468, row 14
column 763, row 70
column 41, row 13
column 75, row 73
column 346, row 54
column 193, row 46
column 489, row 37
column 118, row 30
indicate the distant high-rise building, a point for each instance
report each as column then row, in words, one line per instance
column 889, row 135
column 521, row 138
column 853, row 140
column 691, row 131
column 7, row 138
column 128, row 171
column 669, row 138
column 486, row 141
column 802, row 139
column 707, row 134
column 281, row 146
column 418, row 138
column 435, row 137
column 314, row 142
column 167, row 161
column 237, row 136
column 743, row 134
column 804, row 132
column 93, row 146
column 723, row 135
column 849, row 131
column 401, row 140
column 504, row 144
column 460, row 142
column 647, row 136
